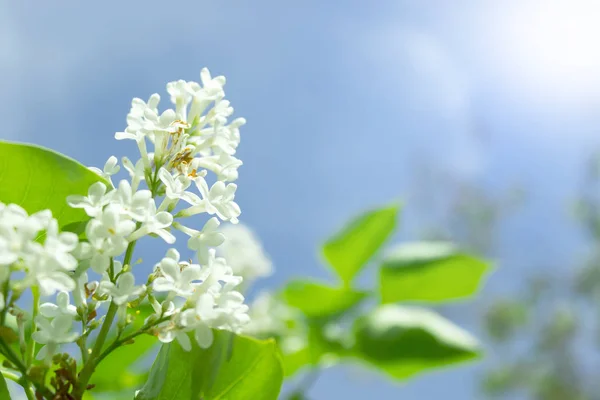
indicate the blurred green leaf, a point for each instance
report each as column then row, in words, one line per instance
column 403, row 341
column 429, row 271
column 504, row 379
column 294, row 361
column 317, row 300
column 349, row 250
column 36, row 179
column 234, row 367
column 503, row 318
column 4, row 394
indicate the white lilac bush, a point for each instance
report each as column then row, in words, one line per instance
column 80, row 309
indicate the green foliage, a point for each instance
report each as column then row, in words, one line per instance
column 350, row 249
column 234, row 367
column 397, row 340
column 37, row 179
column 295, row 360
column 116, row 372
column 317, row 300
column 504, row 318
column 429, row 271
column 4, row 394
column 402, row 341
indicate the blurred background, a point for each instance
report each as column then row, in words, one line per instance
column 481, row 116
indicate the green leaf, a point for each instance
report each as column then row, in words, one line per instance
column 116, row 372
column 429, row 271
column 349, row 250
column 234, row 367
column 295, row 361
column 4, row 394
column 403, row 341
column 316, row 300
column 37, row 179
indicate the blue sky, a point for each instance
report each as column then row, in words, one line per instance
column 344, row 100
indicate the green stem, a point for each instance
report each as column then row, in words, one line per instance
column 5, row 289
column 90, row 365
column 24, row 380
column 81, row 342
column 10, row 375
column 36, row 307
column 119, row 342
column 28, row 392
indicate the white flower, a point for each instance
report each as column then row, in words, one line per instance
column 208, row 237
column 269, row 316
column 156, row 223
column 170, row 332
column 234, row 312
column 48, row 264
column 224, row 165
column 214, row 273
column 62, row 307
column 175, row 277
column 136, row 172
column 136, row 118
column 82, row 288
column 124, row 290
column 181, row 95
column 45, row 271
column 164, row 309
column 201, row 320
column 212, row 90
column 135, row 125
column 244, row 253
column 96, row 199
column 161, row 127
column 10, row 245
column 218, row 200
column 134, row 204
column 107, row 235
column 175, row 187
column 18, row 231
column 111, row 167
column 58, row 247
column 52, row 334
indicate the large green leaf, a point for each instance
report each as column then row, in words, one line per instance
column 4, row 394
column 429, row 271
column 349, row 250
column 316, row 300
column 37, row 178
column 234, row 367
column 402, row 341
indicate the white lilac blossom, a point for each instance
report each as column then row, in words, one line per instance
column 208, row 237
column 63, row 306
column 181, row 149
column 93, row 203
column 244, row 252
column 111, row 167
column 53, row 333
column 46, row 264
column 269, row 316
